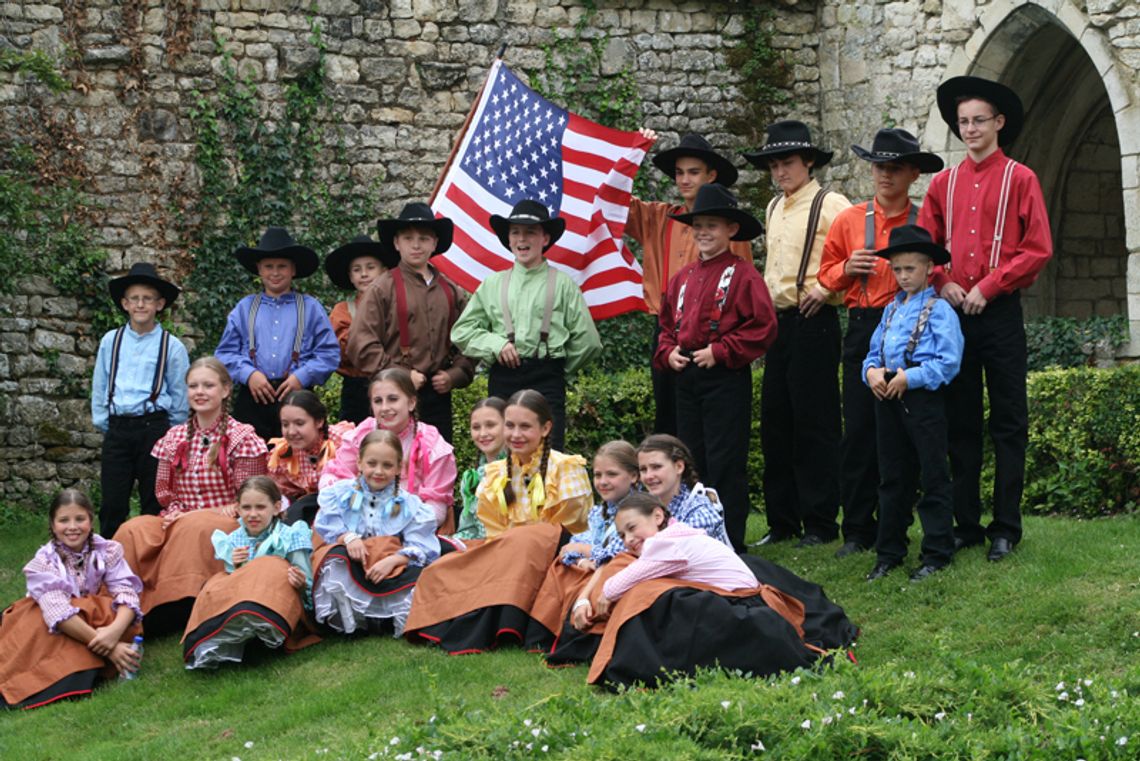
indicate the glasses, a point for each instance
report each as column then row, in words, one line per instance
column 141, row 300
column 977, row 121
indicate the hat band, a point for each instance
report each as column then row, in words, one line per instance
column 788, row 144
column 885, row 154
column 525, row 218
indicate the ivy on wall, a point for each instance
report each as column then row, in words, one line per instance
column 255, row 173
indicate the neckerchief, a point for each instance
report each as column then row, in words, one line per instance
column 361, row 493
column 536, row 486
column 83, row 568
column 283, row 452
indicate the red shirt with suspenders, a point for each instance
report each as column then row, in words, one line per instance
column 991, row 216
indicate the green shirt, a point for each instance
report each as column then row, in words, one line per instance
column 480, row 333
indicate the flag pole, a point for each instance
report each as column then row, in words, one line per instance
column 463, row 130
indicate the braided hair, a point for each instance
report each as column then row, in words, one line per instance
column 535, row 402
column 214, row 365
column 675, row 450
column 386, row 437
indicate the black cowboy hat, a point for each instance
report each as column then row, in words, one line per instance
column 697, row 147
column 912, row 239
column 338, row 262
column 715, row 200
column 786, row 137
column 277, row 243
column 143, row 273
column 415, row 215
column 1003, row 99
column 528, row 213
column 896, row 144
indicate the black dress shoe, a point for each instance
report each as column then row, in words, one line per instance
column 881, row 569
column 850, row 548
column 962, row 544
column 811, row 540
column 923, row 571
column 999, row 548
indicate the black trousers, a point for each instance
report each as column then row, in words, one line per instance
column 302, row 509
column 859, row 462
column 714, row 419
column 126, row 458
column 912, row 450
column 664, row 392
column 546, row 376
column 354, row 402
column 435, row 408
column 800, row 425
column 995, row 348
column 265, row 418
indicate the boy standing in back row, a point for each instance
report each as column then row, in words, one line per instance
column 990, row 213
column 138, row 392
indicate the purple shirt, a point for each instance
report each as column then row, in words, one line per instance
column 56, row 574
column 275, row 329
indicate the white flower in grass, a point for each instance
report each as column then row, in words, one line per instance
column 1122, row 741
column 940, row 716
column 373, row 756
column 908, row 674
column 394, row 741
column 1063, row 696
column 527, row 722
column 838, row 695
column 758, row 746
column 806, row 724
column 1087, row 682
column 725, row 704
column 825, row 720
column 1060, row 686
column 545, row 748
column 1114, row 694
column 536, row 731
column 249, row 744
column 234, row 758
column 851, row 710
column 640, row 727
column 795, row 680
column 432, row 719
column 530, row 746
column 1079, row 702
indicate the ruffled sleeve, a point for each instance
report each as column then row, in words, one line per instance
column 244, row 441
column 332, row 501
column 338, row 432
column 567, row 492
column 488, row 510
column 122, row 583
column 223, row 548
column 49, row 587
column 421, row 545
column 298, row 537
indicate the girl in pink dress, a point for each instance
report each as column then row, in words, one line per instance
column 429, row 464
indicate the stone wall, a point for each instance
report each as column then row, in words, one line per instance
column 402, row 75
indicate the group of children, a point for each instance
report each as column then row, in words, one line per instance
column 224, row 548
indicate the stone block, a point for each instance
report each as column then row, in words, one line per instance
column 341, row 69
column 383, row 69
column 440, row 76
column 60, row 306
column 674, row 22
column 472, row 11
column 107, row 56
column 297, row 60
column 46, row 340
column 615, row 56
column 406, row 29
column 43, row 12
column 410, row 49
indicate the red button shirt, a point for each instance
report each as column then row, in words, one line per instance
column 1027, row 243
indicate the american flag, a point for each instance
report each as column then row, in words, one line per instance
column 519, row 145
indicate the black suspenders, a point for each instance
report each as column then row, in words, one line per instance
column 159, row 369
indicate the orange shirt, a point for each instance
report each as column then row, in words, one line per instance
column 848, row 233
column 341, row 321
column 667, row 246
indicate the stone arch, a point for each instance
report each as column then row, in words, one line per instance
column 1081, row 116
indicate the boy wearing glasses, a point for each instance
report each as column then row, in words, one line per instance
column 138, row 392
column 990, row 213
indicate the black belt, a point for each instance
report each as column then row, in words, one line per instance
column 864, row 313
column 149, row 417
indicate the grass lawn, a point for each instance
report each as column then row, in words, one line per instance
column 968, row 664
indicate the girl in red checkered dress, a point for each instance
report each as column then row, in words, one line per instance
column 201, row 463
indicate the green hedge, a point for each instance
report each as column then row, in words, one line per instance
column 1084, row 441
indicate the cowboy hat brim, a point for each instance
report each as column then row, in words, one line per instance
column 726, row 173
column 937, row 253
column 502, row 226
column 443, row 228
column 750, row 226
column 167, row 290
column 304, row 259
column 338, row 262
column 927, row 163
column 759, row 158
column 1005, row 100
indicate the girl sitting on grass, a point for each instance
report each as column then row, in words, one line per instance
column 79, row 586
column 487, row 433
column 307, row 444
column 669, row 472
column 382, row 536
column 264, row 590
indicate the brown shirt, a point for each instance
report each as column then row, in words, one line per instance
column 374, row 338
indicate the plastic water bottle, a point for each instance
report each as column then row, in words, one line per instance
column 137, row 646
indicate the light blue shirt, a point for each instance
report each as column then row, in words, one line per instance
column 294, row 543
column 138, row 358
column 348, row 506
column 601, row 534
column 276, row 330
column 938, row 355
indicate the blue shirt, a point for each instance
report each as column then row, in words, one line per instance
column 276, row 331
column 349, row 506
column 601, row 534
column 138, row 357
column 294, row 543
column 700, row 508
column 938, row 355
